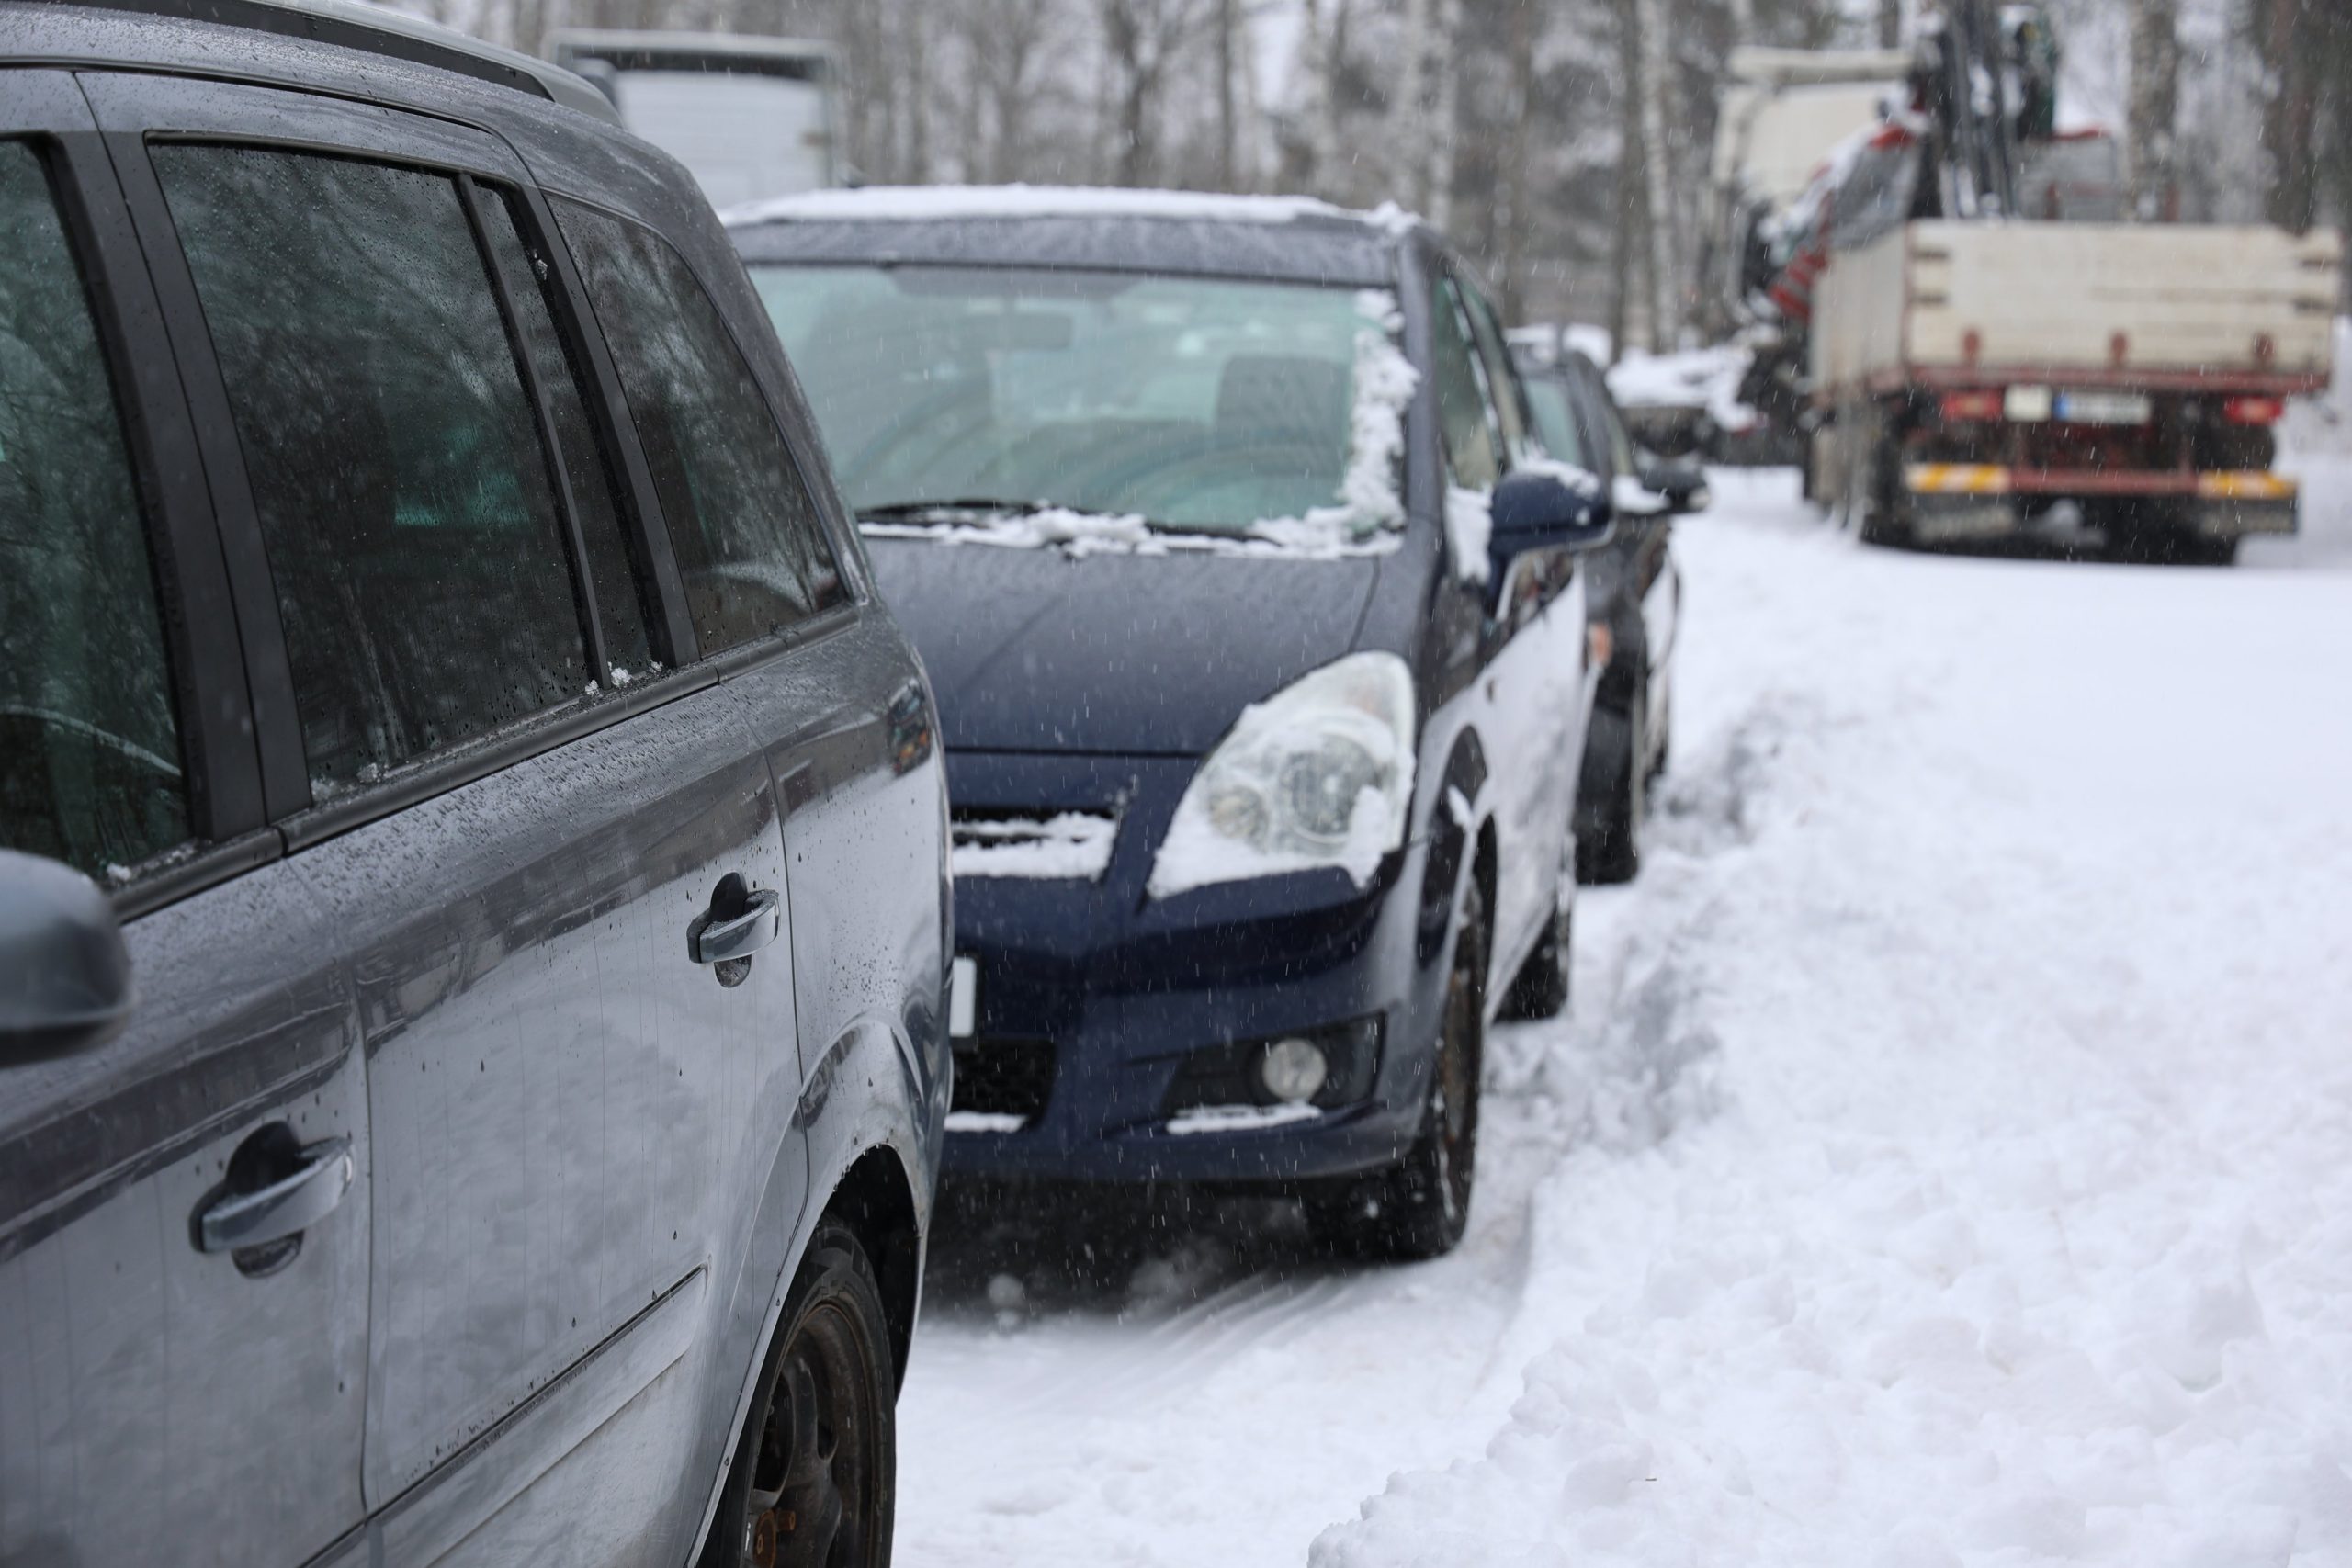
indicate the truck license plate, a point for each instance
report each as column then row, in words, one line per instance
column 2103, row 408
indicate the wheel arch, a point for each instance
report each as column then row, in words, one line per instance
column 875, row 1202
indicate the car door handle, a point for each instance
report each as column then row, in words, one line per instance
column 286, row 1207
column 713, row 941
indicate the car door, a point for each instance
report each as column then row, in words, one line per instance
column 1531, row 710
column 831, row 690
column 184, row 1214
column 1645, row 534
column 533, row 825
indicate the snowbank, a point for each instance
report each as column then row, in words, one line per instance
column 1964, row 1122
column 1706, row 379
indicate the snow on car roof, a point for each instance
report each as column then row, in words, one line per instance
column 920, row 203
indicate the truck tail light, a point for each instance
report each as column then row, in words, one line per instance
column 1968, row 408
column 2254, row 411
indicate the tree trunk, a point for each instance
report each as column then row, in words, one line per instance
column 1443, row 76
column 2290, row 117
column 1512, row 185
column 1629, row 179
column 1408, row 148
column 1664, row 271
column 1890, row 24
column 1225, row 117
column 918, row 57
column 2153, row 110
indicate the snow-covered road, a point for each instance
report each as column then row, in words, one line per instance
column 1949, row 1160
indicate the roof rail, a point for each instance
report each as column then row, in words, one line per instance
column 379, row 30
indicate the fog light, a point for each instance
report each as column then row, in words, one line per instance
column 1293, row 1070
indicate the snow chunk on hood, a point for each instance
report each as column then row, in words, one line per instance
column 1074, row 846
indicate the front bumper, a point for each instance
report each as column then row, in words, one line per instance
column 1096, row 998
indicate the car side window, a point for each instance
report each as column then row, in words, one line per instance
column 1608, row 425
column 1502, row 376
column 402, row 494
column 90, row 767
column 750, row 546
column 621, row 609
column 1463, row 416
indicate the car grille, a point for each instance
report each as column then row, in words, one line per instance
column 1004, row 1078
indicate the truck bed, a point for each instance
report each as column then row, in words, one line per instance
column 2143, row 306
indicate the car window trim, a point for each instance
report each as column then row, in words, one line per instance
column 218, row 768
column 829, row 527
column 643, row 523
column 535, row 389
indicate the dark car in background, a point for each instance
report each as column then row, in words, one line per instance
column 473, row 879
column 1257, row 630
column 1633, row 595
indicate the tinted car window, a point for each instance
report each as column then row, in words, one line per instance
column 751, row 549
column 395, row 463
column 1461, row 410
column 588, row 470
column 89, row 746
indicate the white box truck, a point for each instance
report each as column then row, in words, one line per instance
column 751, row 117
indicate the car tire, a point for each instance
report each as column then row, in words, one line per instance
column 814, row 1481
column 1419, row 1208
column 1611, row 853
column 1540, row 989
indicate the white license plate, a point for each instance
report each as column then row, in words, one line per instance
column 962, row 998
column 2103, row 408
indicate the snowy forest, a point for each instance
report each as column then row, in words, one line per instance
column 1563, row 144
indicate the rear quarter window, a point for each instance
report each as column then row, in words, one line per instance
column 751, row 549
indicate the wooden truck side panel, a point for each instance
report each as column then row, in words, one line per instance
column 2139, row 305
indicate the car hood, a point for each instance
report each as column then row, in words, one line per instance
column 1033, row 650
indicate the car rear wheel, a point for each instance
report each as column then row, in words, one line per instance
column 1613, row 852
column 1419, row 1208
column 814, row 1482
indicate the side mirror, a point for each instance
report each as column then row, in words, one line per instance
column 1683, row 484
column 64, row 973
column 1536, row 509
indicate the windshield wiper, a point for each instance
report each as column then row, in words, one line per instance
column 893, row 510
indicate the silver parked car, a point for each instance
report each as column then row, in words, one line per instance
column 473, row 901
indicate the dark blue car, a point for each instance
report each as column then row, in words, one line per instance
column 1260, row 645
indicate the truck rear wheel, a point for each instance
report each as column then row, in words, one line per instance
column 1875, row 498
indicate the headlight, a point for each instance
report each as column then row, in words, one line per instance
column 1320, row 773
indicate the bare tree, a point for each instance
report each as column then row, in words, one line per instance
column 1143, row 37
column 1226, row 22
column 1659, row 204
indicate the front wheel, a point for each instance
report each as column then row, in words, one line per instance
column 814, row 1482
column 1419, row 1208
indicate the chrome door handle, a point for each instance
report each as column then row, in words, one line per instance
column 285, row 1208
column 713, row 941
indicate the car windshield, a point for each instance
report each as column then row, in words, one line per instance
column 1555, row 422
column 1171, row 404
